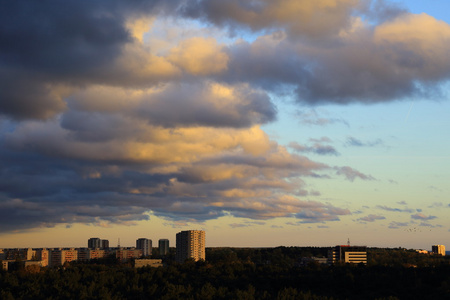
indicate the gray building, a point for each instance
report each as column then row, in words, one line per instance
column 163, row 246
column 94, row 243
column 145, row 245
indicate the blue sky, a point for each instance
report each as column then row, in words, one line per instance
column 296, row 123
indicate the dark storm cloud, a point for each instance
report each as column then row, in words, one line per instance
column 50, row 43
column 310, row 18
column 173, row 129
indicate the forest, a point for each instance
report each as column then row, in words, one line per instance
column 239, row 273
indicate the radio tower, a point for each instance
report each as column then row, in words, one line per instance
column 348, row 242
column 118, row 243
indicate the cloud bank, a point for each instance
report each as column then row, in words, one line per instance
column 108, row 116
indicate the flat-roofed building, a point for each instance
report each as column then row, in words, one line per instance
column 105, row 244
column 145, row 245
column 94, row 243
column 5, row 264
column 59, row 256
column 163, row 246
column 42, row 255
column 438, row 249
column 348, row 254
column 128, row 253
column 190, row 244
column 139, row 263
column 87, row 254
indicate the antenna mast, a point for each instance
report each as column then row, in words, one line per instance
column 348, row 242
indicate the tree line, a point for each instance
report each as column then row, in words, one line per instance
column 239, row 273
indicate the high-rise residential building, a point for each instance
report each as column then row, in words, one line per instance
column 163, row 246
column 348, row 254
column 438, row 249
column 190, row 244
column 94, row 243
column 105, row 244
column 145, row 245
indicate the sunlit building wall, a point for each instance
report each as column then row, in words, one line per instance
column 438, row 249
column 59, row 256
column 348, row 254
column 190, row 244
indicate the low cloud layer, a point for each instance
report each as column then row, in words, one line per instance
column 107, row 117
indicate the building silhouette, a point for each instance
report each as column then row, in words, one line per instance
column 190, row 244
column 94, row 243
column 145, row 245
column 163, row 245
column 105, row 244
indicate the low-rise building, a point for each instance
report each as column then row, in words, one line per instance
column 128, row 253
column 60, row 256
column 139, row 263
column 348, row 254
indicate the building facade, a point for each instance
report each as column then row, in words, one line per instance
column 59, row 256
column 105, row 244
column 163, row 245
column 145, row 245
column 94, row 243
column 348, row 254
column 124, row 254
column 190, row 244
column 438, row 249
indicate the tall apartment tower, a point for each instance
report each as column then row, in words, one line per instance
column 145, row 245
column 105, row 244
column 190, row 244
column 163, row 246
column 94, row 243
column 438, row 249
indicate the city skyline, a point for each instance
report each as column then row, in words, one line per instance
column 267, row 123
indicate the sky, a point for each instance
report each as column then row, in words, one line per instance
column 264, row 123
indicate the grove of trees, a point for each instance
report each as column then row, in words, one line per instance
column 232, row 273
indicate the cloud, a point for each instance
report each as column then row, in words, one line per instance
column 297, row 17
column 396, row 225
column 109, row 116
column 351, row 174
column 387, row 208
column 371, row 218
column 312, row 117
column 420, row 216
column 351, row 141
column 318, row 147
column 317, row 213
